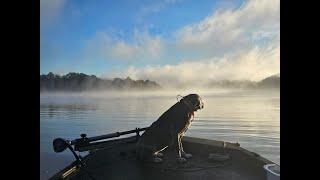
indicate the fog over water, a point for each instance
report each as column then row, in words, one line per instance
column 250, row 117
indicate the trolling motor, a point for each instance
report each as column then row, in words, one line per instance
column 97, row 142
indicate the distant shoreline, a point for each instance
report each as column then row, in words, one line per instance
column 79, row 82
column 82, row 82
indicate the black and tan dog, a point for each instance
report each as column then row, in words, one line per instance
column 168, row 130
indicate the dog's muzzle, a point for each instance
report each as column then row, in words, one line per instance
column 201, row 105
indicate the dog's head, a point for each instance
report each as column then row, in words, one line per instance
column 193, row 101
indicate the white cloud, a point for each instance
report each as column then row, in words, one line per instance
column 253, row 64
column 232, row 29
column 142, row 46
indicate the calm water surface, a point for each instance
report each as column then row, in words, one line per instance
column 250, row 117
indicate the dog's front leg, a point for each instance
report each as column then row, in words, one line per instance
column 177, row 144
column 180, row 143
column 183, row 154
column 181, row 158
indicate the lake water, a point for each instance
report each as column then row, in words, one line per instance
column 250, row 117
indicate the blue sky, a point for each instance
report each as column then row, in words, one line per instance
column 156, row 39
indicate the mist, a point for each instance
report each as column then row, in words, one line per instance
column 252, row 65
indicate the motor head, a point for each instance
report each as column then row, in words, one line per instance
column 59, row 145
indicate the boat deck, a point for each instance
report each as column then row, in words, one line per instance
column 119, row 163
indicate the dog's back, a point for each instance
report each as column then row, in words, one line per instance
column 160, row 132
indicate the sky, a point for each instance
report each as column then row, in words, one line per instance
column 169, row 41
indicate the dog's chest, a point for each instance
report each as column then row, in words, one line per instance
column 187, row 123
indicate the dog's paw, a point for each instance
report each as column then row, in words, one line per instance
column 159, row 154
column 157, row 160
column 186, row 155
column 181, row 160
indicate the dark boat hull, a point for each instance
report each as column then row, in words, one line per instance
column 119, row 162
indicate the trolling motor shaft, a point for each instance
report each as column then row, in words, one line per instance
column 106, row 136
column 84, row 143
